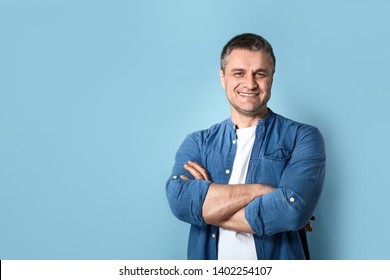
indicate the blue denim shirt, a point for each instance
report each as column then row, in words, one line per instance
column 286, row 154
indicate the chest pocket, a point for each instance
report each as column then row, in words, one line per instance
column 272, row 165
column 278, row 153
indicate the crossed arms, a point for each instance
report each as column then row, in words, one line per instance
column 224, row 204
column 255, row 208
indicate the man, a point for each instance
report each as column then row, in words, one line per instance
column 249, row 185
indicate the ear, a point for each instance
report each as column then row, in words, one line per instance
column 222, row 77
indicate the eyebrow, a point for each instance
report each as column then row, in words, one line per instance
column 243, row 70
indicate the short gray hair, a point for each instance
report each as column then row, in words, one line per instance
column 247, row 41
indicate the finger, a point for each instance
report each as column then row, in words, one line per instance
column 199, row 168
column 184, row 177
column 308, row 227
column 194, row 172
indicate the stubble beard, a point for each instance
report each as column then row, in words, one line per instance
column 260, row 111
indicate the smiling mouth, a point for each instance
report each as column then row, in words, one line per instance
column 246, row 94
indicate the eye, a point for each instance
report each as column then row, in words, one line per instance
column 238, row 74
column 261, row 75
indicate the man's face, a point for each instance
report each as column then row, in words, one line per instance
column 247, row 80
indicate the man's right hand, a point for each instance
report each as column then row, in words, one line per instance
column 196, row 170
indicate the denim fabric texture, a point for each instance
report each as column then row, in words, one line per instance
column 286, row 154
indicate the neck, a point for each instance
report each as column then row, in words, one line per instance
column 244, row 121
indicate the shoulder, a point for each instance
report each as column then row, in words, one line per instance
column 216, row 130
column 293, row 127
column 296, row 133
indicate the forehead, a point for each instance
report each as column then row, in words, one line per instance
column 246, row 59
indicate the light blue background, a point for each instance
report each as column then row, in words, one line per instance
column 96, row 97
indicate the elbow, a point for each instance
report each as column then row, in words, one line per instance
column 174, row 201
column 186, row 212
column 297, row 220
column 178, row 208
column 298, row 217
column 184, row 201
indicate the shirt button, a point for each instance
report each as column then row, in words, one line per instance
column 234, row 141
column 292, row 199
column 174, row 177
column 213, row 235
column 227, row 171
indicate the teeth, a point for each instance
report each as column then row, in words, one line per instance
column 247, row 94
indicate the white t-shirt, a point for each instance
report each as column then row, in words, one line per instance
column 234, row 245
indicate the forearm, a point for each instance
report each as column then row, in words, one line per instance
column 224, row 201
column 237, row 222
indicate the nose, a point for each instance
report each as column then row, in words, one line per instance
column 250, row 82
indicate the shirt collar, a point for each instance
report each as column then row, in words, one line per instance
column 265, row 121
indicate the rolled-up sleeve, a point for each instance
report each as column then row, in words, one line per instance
column 291, row 205
column 186, row 197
